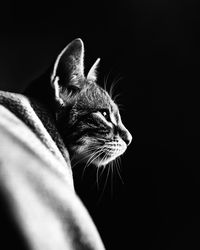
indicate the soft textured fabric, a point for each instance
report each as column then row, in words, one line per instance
column 39, row 208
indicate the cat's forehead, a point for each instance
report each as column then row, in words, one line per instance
column 95, row 97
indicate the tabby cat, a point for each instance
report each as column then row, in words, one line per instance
column 85, row 115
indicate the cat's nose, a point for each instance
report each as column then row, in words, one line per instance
column 126, row 136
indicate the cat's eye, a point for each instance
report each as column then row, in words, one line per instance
column 105, row 113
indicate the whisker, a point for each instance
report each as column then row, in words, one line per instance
column 106, row 180
column 98, row 169
column 121, row 107
column 116, row 97
column 94, row 156
column 106, row 80
column 87, row 164
column 78, row 161
column 97, row 176
column 117, row 161
column 100, row 164
column 83, row 157
column 112, row 175
column 113, row 86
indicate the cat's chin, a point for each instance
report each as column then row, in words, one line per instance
column 104, row 162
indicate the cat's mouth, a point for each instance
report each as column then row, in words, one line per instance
column 100, row 154
column 110, row 152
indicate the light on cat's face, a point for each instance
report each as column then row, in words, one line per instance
column 115, row 143
column 88, row 119
column 101, row 136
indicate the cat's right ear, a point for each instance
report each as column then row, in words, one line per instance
column 68, row 70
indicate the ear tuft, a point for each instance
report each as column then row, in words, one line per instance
column 92, row 75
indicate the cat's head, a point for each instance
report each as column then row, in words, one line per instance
column 87, row 117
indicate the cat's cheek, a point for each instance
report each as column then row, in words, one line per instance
column 77, row 151
column 77, row 155
column 81, row 151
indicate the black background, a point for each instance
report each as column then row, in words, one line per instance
column 154, row 47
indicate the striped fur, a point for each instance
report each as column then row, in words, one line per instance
column 84, row 114
column 88, row 119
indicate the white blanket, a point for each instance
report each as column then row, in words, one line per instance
column 36, row 185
